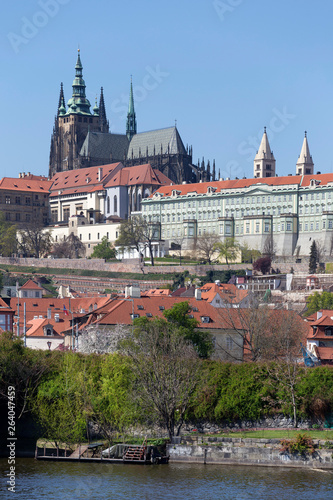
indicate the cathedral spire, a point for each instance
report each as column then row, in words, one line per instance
column 78, row 103
column 304, row 165
column 131, row 118
column 61, row 99
column 103, row 122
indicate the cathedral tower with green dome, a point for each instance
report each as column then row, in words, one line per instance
column 73, row 123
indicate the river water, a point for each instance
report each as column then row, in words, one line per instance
column 54, row 480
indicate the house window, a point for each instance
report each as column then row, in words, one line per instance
column 108, row 204
column 17, row 217
column 257, row 227
column 329, row 331
column 266, row 227
column 27, row 200
column 288, row 226
column 7, row 199
column 115, row 204
column 18, row 200
column 229, row 342
column 66, row 214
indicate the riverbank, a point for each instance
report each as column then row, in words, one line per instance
column 249, row 451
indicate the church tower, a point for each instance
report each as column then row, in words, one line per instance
column 304, row 165
column 264, row 161
column 72, row 124
column 131, row 118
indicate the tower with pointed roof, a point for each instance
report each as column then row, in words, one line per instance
column 72, row 124
column 264, row 161
column 131, row 118
column 304, row 165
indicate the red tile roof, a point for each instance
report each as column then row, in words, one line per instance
column 26, row 185
column 35, row 327
column 201, row 188
column 39, row 307
column 30, row 285
column 139, row 174
column 82, row 177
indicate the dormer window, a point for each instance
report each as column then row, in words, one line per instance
column 211, row 190
column 48, row 330
column 329, row 331
column 205, row 319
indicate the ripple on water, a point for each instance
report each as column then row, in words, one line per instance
column 54, row 480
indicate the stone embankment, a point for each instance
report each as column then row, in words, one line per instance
column 247, row 451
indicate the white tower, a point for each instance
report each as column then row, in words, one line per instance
column 264, row 161
column 304, row 165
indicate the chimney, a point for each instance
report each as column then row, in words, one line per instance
column 197, row 294
column 49, row 313
column 127, row 291
column 134, row 292
column 100, row 174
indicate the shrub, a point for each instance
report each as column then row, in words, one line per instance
column 302, row 445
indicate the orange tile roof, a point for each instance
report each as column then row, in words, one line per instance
column 30, row 285
column 201, row 188
column 35, row 327
column 26, row 185
column 119, row 310
column 228, row 292
column 139, row 174
column 82, row 177
column 39, row 307
column 4, row 306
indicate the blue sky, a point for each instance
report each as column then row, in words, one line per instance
column 223, row 69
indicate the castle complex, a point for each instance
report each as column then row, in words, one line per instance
column 81, row 139
column 290, row 211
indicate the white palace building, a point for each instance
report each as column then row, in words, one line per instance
column 293, row 210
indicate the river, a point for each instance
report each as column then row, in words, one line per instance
column 72, row 481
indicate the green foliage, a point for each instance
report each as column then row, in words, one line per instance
column 104, row 250
column 179, row 316
column 302, row 445
column 228, row 250
column 318, row 301
column 7, row 237
column 313, row 258
column 249, row 255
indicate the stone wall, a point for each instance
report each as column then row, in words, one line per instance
column 247, row 451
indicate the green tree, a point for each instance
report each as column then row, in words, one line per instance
column 104, row 250
column 7, row 237
column 313, row 258
column 22, row 368
column 62, row 405
column 318, row 301
column 228, row 249
column 113, row 408
column 178, row 315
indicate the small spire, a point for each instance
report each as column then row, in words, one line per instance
column 305, row 133
column 131, row 118
column 264, row 130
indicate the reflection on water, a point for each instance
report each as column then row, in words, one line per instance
column 53, row 480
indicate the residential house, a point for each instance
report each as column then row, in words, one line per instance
column 6, row 317
column 25, row 200
column 320, row 336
